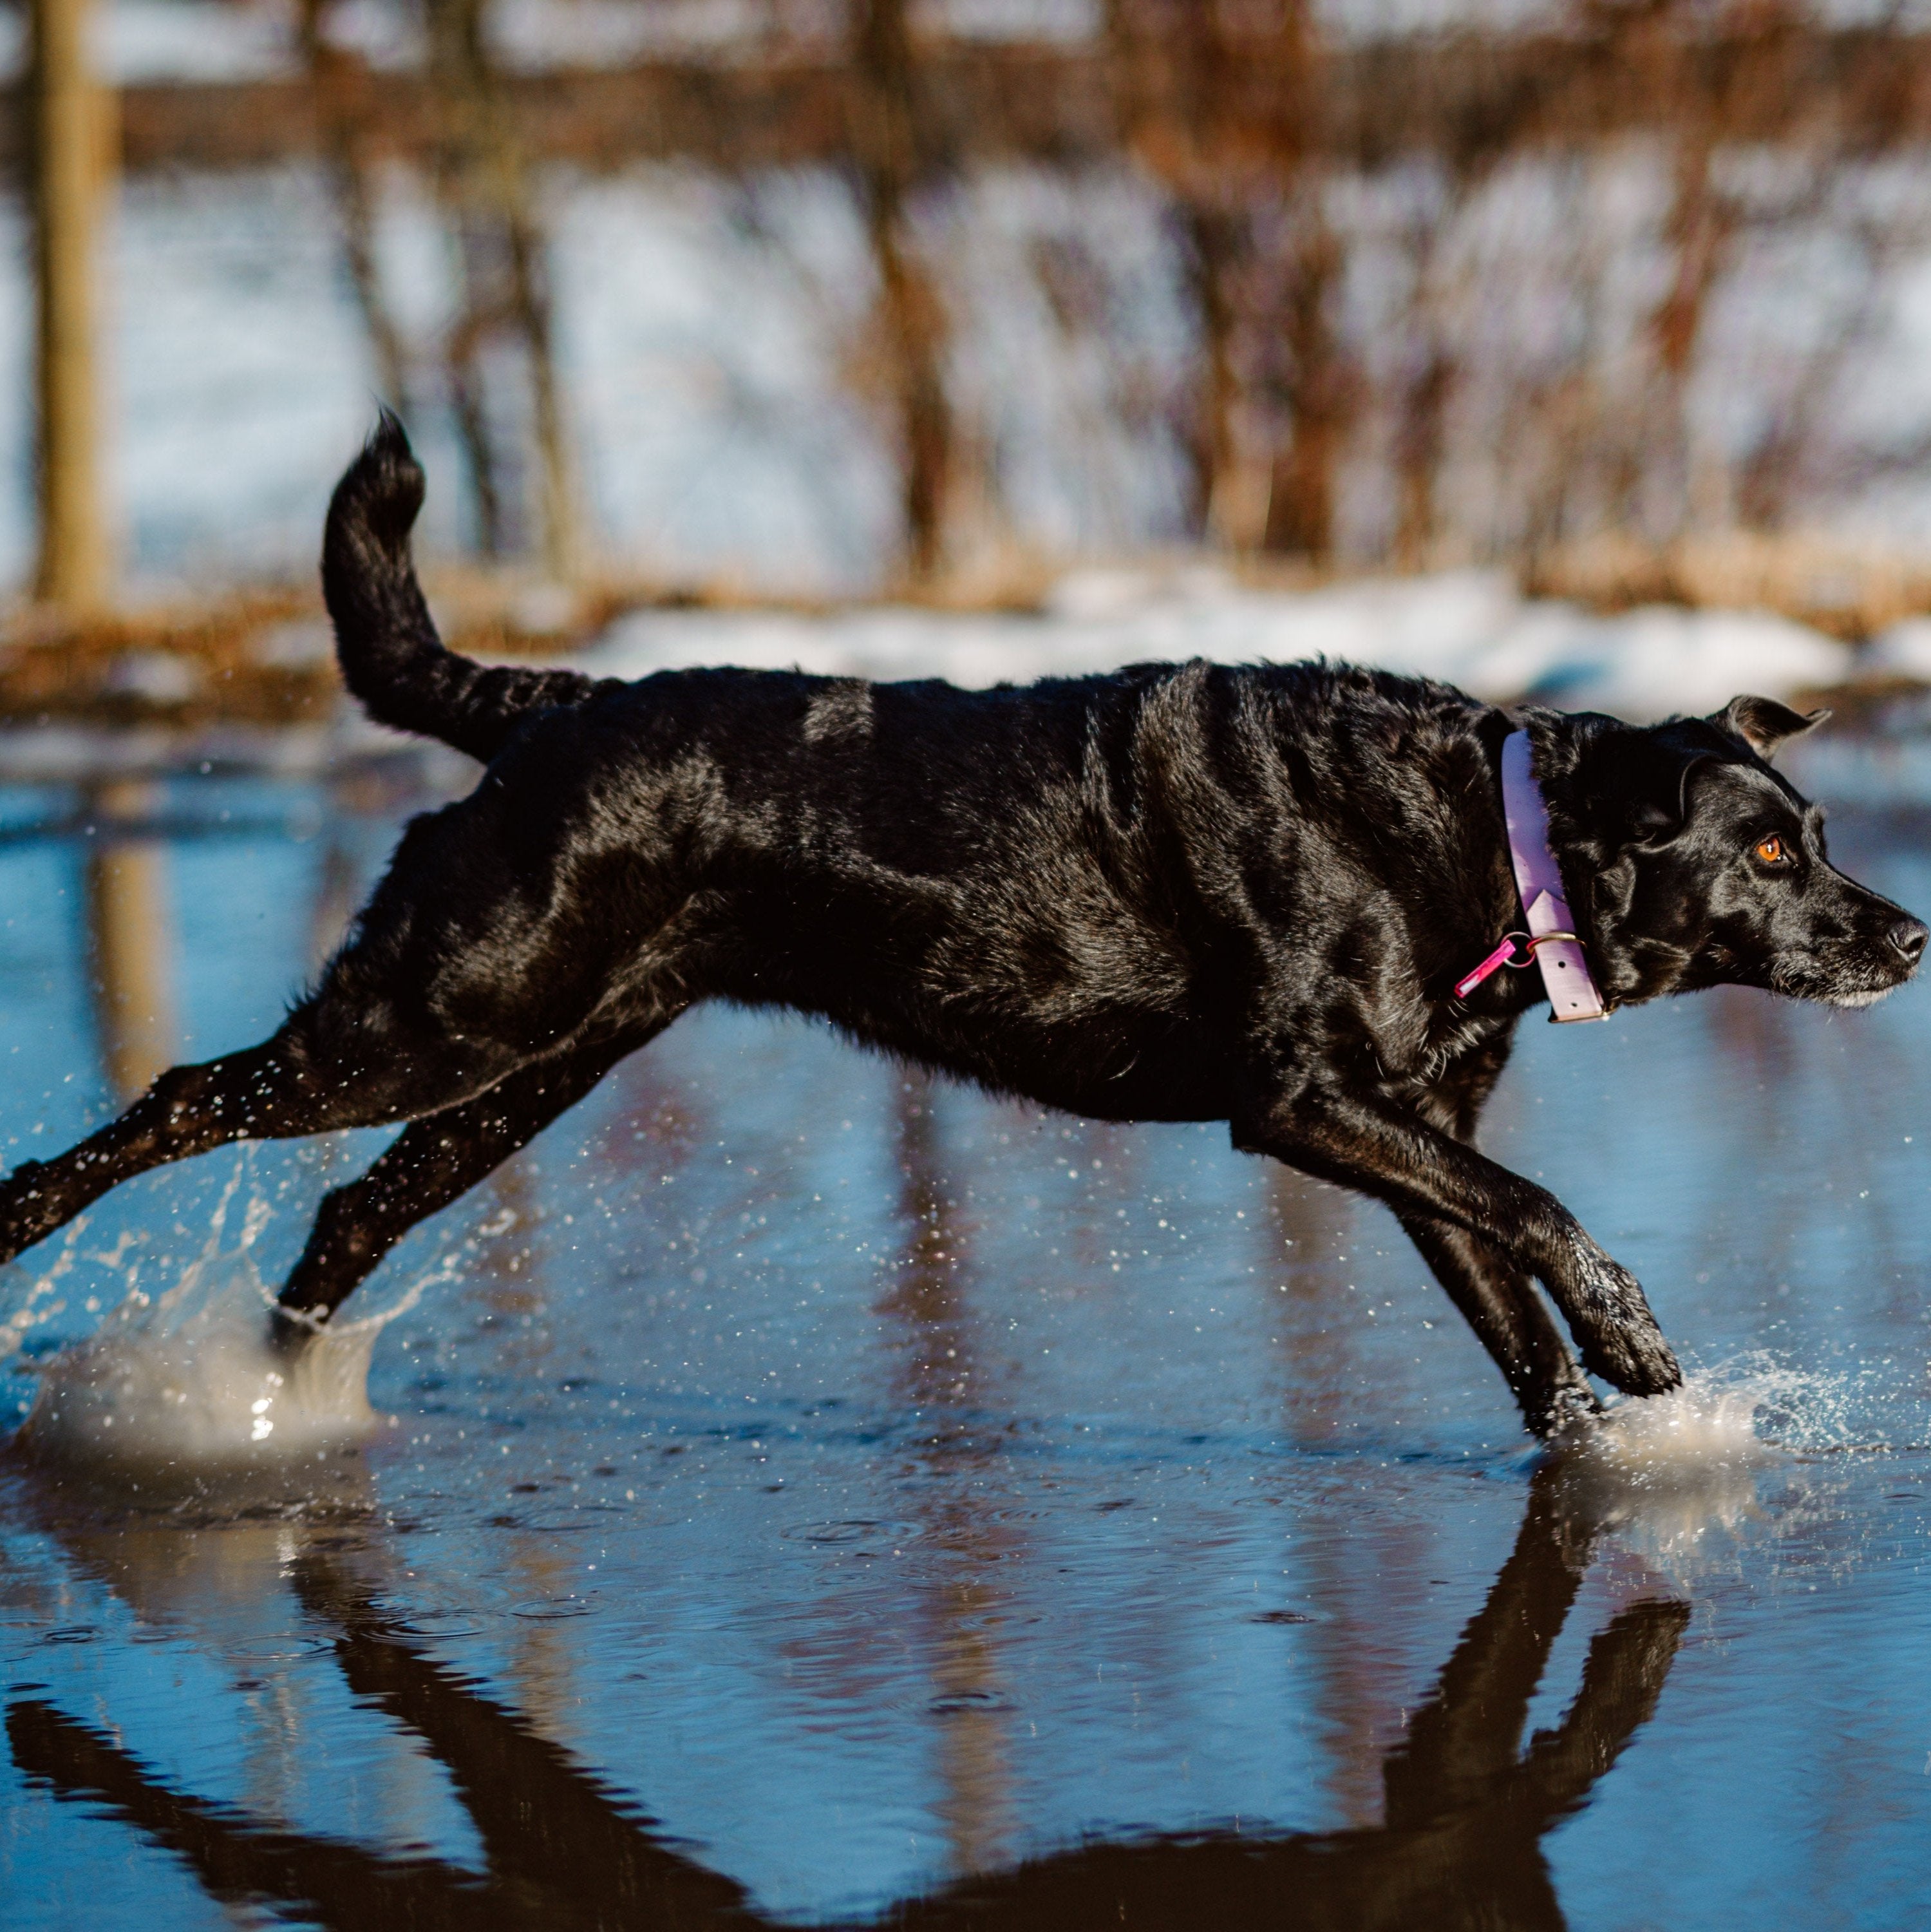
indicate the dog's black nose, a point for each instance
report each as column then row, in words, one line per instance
column 1908, row 937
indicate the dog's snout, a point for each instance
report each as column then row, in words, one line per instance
column 1907, row 939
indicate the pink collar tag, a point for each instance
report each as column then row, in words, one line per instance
column 1504, row 955
column 1551, row 939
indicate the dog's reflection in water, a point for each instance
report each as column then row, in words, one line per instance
column 1467, row 1805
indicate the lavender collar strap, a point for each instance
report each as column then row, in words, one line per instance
column 1551, row 939
column 1565, row 966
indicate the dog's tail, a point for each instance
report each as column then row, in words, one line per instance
column 385, row 640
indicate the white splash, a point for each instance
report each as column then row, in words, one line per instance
column 186, row 1380
column 1666, row 1471
column 1744, row 1411
column 1704, row 1423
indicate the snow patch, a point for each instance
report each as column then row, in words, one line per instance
column 1469, row 627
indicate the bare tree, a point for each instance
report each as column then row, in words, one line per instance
column 1311, row 379
column 343, row 114
column 1222, row 102
column 483, row 181
column 1494, row 283
column 888, row 164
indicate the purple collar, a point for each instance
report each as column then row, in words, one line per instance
column 1551, row 939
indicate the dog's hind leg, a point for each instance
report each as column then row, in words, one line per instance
column 436, row 1158
column 1510, row 1320
column 293, row 1084
column 188, row 1111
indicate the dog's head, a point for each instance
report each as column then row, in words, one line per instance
column 1704, row 867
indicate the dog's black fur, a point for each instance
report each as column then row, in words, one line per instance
column 1175, row 893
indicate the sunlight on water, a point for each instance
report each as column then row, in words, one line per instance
column 185, row 1381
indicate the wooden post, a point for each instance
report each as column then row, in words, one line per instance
column 71, row 135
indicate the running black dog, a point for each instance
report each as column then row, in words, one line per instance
column 1176, row 892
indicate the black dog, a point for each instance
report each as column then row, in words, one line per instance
column 1177, row 892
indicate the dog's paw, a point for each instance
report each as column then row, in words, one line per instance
column 27, row 1215
column 291, row 1330
column 1571, row 1404
column 1614, row 1329
column 1639, row 1363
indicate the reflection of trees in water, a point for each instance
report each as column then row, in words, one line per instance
column 503, row 1276
column 939, row 1381
column 129, row 941
column 1465, row 1804
column 1305, row 1270
column 929, row 1316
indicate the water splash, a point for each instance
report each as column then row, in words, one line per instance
column 44, row 1301
column 1746, row 1410
column 1706, row 1423
column 1669, row 1474
column 186, row 1381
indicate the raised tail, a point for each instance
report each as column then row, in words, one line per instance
column 385, row 640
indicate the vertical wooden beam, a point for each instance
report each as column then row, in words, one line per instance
column 72, row 135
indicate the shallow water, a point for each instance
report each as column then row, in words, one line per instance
column 800, row 1492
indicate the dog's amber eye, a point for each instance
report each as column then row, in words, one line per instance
column 1771, row 851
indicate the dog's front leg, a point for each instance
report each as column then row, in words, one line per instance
column 1498, row 1301
column 1370, row 1144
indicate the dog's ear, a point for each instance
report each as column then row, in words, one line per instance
column 1658, row 810
column 1763, row 724
column 1646, row 784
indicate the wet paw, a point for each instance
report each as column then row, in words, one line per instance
column 291, row 1330
column 1640, row 1364
column 1570, row 1405
column 1614, row 1329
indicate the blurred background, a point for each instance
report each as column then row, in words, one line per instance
column 727, row 301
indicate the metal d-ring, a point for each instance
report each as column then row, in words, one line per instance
column 1529, row 941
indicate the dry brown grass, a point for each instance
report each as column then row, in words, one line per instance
column 1849, row 590
column 262, row 656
